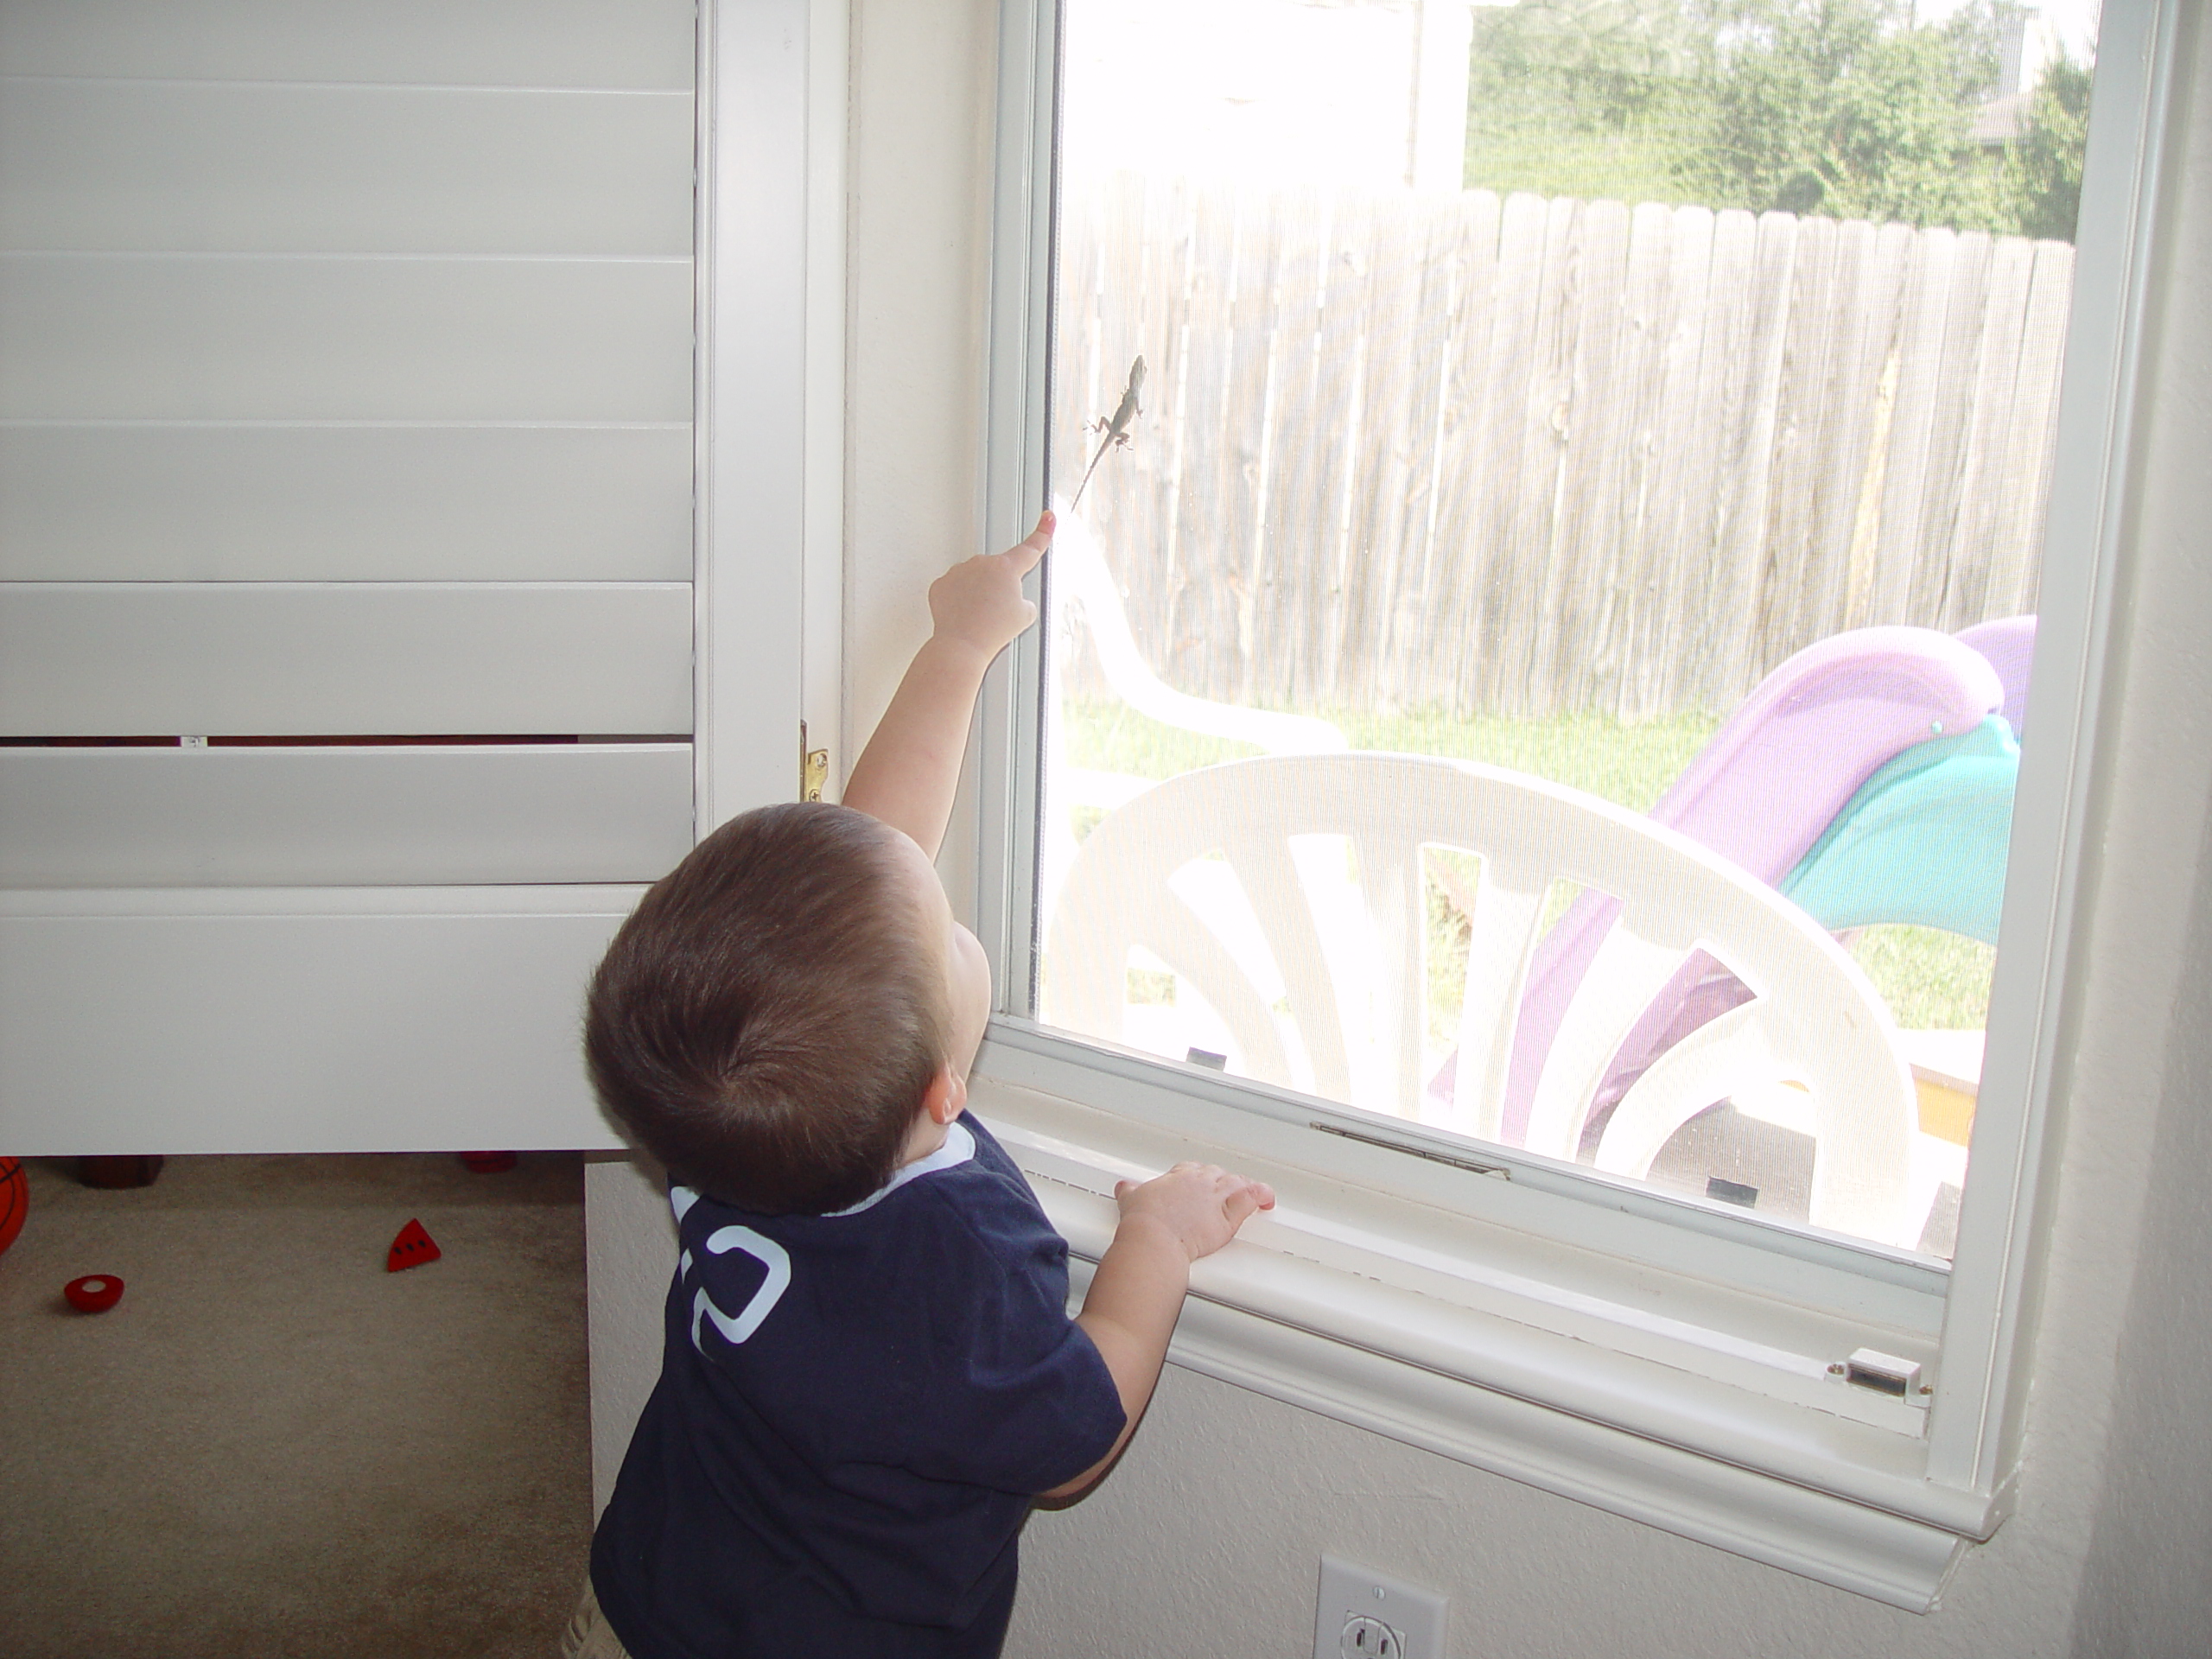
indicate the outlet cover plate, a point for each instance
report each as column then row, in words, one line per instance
column 1363, row 1614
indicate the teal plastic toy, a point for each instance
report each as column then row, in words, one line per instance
column 1923, row 841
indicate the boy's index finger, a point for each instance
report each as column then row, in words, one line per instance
column 1025, row 553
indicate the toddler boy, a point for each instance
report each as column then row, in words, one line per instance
column 869, row 1371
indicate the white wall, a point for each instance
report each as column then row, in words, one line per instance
column 1207, row 1538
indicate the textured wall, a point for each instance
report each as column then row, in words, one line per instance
column 920, row 180
column 630, row 1247
column 2148, row 1589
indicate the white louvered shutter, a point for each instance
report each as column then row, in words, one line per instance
column 346, row 463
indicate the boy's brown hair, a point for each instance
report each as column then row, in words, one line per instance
column 768, row 1019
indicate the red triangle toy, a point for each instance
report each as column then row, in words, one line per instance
column 411, row 1249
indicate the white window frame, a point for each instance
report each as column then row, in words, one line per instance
column 1592, row 1338
column 770, row 398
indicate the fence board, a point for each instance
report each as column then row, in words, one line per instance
column 1705, row 264
column 1547, row 385
column 1525, row 221
column 1874, row 395
column 1647, row 325
column 1955, row 391
column 1341, row 431
column 1136, row 319
column 1466, row 485
column 1312, row 418
column 1579, row 584
column 1175, row 281
column 2023, row 488
column 1243, row 432
column 1751, row 370
column 1982, row 481
column 1920, row 360
column 1279, row 630
column 1726, row 373
column 1869, row 268
column 1201, row 617
column 1416, row 651
column 1800, row 403
column 1298, row 490
column 1379, row 510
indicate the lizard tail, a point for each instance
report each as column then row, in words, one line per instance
column 1087, row 472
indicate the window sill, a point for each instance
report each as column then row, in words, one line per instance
column 1705, row 1410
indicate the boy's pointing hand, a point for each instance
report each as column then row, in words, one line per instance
column 979, row 602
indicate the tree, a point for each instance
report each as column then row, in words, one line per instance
column 2043, row 165
column 1844, row 107
column 1611, row 48
column 1847, row 108
column 1582, row 97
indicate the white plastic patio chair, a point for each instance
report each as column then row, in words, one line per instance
column 1082, row 587
column 1330, row 998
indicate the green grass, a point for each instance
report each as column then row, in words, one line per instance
column 1931, row 979
column 1630, row 765
column 1114, row 737
column 1632, row 165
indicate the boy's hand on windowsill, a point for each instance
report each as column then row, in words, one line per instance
column 1200, row 1205
column 979, row 603
column 1167, row 1222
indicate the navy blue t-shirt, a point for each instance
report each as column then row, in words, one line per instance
column 854, row 1411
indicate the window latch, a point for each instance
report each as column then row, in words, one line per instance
column 1869, row 1367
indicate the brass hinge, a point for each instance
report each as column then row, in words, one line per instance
column 813, row 768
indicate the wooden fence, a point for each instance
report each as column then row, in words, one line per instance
column 1531, row 456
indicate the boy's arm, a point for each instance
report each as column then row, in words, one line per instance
column 1129, row 1312
column 907, row 774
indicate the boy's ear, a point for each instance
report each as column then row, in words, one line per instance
column 946, row 1097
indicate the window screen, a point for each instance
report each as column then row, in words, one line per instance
column 1550, row 500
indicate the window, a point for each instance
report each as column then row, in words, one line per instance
column 1457, row 444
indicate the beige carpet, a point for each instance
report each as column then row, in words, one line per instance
column 273, row 1446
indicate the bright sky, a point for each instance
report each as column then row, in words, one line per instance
column 1288, row 89
column 1250, row 89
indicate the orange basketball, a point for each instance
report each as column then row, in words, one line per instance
column 14, row 1199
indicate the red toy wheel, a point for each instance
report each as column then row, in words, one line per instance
column 14, row 1199
column 94, row 1294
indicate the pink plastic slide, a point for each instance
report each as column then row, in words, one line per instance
column 1761, row 793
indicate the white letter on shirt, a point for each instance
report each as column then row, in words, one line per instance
column 771, row 1256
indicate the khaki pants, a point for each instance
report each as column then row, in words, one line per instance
column 589, row 1635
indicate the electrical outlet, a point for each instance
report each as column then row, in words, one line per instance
column 1363, row 1614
